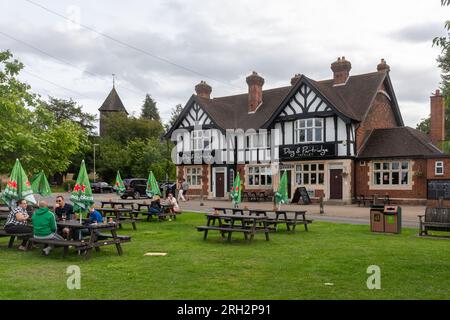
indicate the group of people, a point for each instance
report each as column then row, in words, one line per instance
column 44, row 221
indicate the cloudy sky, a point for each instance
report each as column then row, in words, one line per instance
column 165, row 47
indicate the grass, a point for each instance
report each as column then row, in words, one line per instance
column 289, row 266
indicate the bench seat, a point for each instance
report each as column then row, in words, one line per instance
column 224, row 229
column 13, row 236
column 435, row 219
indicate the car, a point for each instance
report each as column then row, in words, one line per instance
column 101, row 187
column 135, row 188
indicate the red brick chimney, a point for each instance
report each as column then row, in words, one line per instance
column 255, row 83
column 203, row 90
column 437, row 118
column 341, row 71
column 383, row 66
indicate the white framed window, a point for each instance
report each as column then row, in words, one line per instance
column 439, row 168
column 259, row 176
column 391, row 173
column 309, row 173
column 194, row 176
column 201, row 140
column 308, row 130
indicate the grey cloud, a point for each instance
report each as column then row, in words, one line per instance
column 423, row 32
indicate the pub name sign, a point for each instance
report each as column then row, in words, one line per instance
column 301, row 151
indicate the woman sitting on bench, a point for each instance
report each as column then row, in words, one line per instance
column 155, row 205
column 173, row 202
column 17, row 222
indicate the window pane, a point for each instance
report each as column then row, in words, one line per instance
column 269, row 180
column 395, row 165
column 395, row 178
column 309, row 133
column 256, row 169
column 404, row 177
column 298, row 178
column 405, row 165
column 320, row 178
column 256, row 180
column 385, row 165
column 306, row 167
column 318, row 122
column 385, row 177
column 302, row 135
column 306, row 178
column 377, row 178
column 302, row 123
column 313, row 167
column 250, row 180
column 377, row 166
column 263, row 179
column 298, row 167
column 318, row 134
column 321, row 166
column 313, row 178
column 309, row 123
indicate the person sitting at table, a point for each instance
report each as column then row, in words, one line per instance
column 173, row 202
column 95, row 217
column 155, row 205
column 63, row 209
column 17, row 222
column 44, row 225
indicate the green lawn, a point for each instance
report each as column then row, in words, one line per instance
column 289, row 266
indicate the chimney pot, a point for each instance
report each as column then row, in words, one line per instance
column 383, row 66
column 255, row 83
column 203, row 90
column 341, row 70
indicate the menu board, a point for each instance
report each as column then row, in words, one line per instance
column 301, row 193
column 438, row 189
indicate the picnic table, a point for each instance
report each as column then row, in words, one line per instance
column 121, row 215
column 281, row 216
column 95, row 241
column 228, row 224
column 113, row 204
column 224, row 210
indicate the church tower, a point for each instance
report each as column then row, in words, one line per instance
column 111, row 104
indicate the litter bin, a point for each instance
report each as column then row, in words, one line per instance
column 392, row 219
column 377, row 218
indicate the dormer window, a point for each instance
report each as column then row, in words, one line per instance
column 308, row 130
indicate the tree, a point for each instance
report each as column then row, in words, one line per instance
column 29, row 131
column 70, row 110
column 149, row 110
column 176, row 111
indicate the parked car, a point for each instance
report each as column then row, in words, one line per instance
column 134, row 188
column 170, row 187
column 101, row 187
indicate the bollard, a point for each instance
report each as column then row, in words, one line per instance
column 321, row 204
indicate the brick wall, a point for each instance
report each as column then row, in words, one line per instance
column 380, row 116
column 431, row 175
column 205, row 180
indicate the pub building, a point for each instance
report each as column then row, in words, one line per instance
column 339, row 138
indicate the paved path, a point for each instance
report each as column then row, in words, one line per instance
column 334, row 213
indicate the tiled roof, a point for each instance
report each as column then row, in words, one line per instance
column 398, row 142
column 113, row 103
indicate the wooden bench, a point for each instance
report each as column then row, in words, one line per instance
column 229, row 230
column 436, row 219
column 13, row 236
column 78, row 245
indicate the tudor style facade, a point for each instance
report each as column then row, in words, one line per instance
column 334, row 137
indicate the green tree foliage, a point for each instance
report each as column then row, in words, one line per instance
column 176, row 111
column 29, row 131
column 70, row 110
column 149, row 110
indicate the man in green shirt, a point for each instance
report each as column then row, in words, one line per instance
column 44, row 225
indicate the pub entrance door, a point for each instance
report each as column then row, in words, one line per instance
column 336, row 184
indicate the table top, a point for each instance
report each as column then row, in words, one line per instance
column 75, row 224
column 235, row 217
column 114, row 209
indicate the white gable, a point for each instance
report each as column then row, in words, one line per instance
column 195, row 117
column 305, row 101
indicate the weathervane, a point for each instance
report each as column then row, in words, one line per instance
column 113, row 76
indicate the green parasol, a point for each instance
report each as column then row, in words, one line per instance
column 18, row 187
column 39, row 184
column 120, row 187
column 82, row 193
column 152, row 186
column 281, row 195
column 236, row 190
